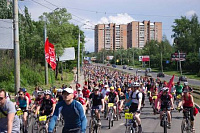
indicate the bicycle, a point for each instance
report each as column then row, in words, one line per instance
column 131, row 124
column 94, row 127
column 153, row 104
column 41, row 124
column 186, row 126
column 20, row 114
column 164, row 121
column 111, row 115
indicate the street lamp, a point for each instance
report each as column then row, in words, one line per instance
column 160, row 58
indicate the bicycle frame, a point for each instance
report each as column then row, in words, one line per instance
column 131, row 127
column 186, row 123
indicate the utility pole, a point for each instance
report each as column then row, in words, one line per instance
column 161, row 62
column 16, row 45
column 46, row 64
column 78, row 62
column 180, row 62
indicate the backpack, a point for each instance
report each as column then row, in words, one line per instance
column 137, row 96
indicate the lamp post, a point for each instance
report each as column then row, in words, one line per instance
column 160, row 58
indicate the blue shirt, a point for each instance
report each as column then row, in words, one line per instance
column 73, row 116
column 127, row 97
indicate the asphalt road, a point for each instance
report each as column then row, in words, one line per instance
column 150, row 123
column 154, row 75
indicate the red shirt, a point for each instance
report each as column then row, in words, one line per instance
column 82, row 101
column 188, row 102
column 29, row 97
column 86, row 93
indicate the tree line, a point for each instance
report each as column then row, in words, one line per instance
column 60, row 32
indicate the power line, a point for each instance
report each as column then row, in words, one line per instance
column 92, row 11
column 53, row 9
column 70, row 13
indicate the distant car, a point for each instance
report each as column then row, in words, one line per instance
column 148, row 69
column 183, row 78
column 124, row 66
column 108, row 64
column 130, row 68
column 139, row 70
column 148, row 74
column 160, row 74
column 113, row 65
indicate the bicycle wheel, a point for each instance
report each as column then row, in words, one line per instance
column 128, row 129
column 43, row 130
column 91, row 128
column 183, row 126
column 165, row 126
column 98, row 129
column 35, row 127
column 188, row 126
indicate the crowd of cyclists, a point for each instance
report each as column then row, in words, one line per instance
column 102, row 86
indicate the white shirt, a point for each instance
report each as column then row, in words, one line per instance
column 134, row 99
column 104, row 91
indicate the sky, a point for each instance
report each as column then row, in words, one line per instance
column 88, row 13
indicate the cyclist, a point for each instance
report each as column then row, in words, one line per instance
column 46, row 105
column 86, row 94
column 9, row 121
column 166, row 102
column 186, row 86
column 35, row 93
column 128, row 104
column 179, row 88
column 135, row 96
column 121, row 98
column 26, row 94
column 105, row 90
column 188, row 103
column 59, row 96
column 72, row 112
column 112, row 97
column 37, row 100
column 97, row 103
column 23, row 103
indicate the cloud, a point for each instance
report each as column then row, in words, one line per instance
column 89, row 45
column 122, row 18
column 190, row 13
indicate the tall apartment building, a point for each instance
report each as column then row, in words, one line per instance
column 110, row 37
column 134, row 34
column 138, row 33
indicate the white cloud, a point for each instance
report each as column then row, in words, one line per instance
column 190, row 13
column 122, row 18
column 89, row 45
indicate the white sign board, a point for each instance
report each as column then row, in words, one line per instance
column 69, row 54
column 140, row 58
column 6, row 34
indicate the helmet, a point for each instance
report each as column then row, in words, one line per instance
column 47, row 92
column 112, row 88
column 24, row 90
column 165, row 89
column 185, row 83
column 136, row 84
column 119, row 89
column 59, row 90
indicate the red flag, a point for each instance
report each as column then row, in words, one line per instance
column 169, row 85
column 50, row 55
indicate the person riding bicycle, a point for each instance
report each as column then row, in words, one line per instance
column 59, row 96
column 188, row 103
column 105, row 90
column 72, row 111
column 166, row 102
column 9, row 122
column 112, row 97
column 135, row 96
column 23, row 104
column 186, row 86
column 86, row 92
column 26, row 94
column 38, row 99
column 97, row 103
column 46, row 105
column 179, row 89
column 121, row 98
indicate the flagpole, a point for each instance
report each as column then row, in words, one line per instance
column 46, row 64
